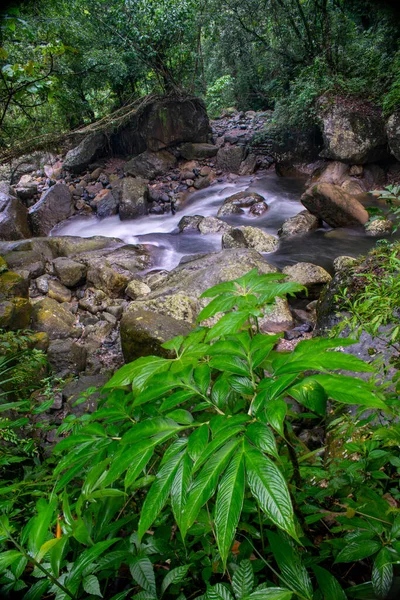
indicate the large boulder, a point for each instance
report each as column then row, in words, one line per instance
column 150, row 164
column 259, row 240
column 229, row 158
column 26, row 188
column 66, row 357
column 55, row 320
column 393, row 133
column 353, row 179
column 70, row 272
column 15, row 313
column 302, row 223
column 143, row 332
column 353, row 134
column 213, row 225
column 13, row 219
column 133, row 201
column 313, row 277
column 90, row 148
column 106, row 203
column 54, row 206
column 333, row 205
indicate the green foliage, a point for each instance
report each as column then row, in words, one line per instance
column 220, row 95
column 190, row 479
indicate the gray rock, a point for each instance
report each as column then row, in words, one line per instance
column 191, row 151
column 201, row 183
column 137, row 288
column 54, row 206
column 93, row 301
column 190, row 223
column 133, row 202
column 58, row 291
column 106, row 203
column 66, row 357
column 26, row 188
column 229, row 158
column 13, row 219
column 379, row 227
column 353, row 135
column 313, row 277
column 302, row 223
column 234, row 238
column 277, row 318
column 259, row 240
column 343, row 262
column 70, row 272
column 237, row 202
column 393, row 133
column 42, row 283
column 55, row 320
column 150, row 164
column 74, row 390
column 143, row 332
column 213, row 225
column 334, row 206
column 90, row 148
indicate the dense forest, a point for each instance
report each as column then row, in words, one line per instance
column 200, row 300
column 65, row 64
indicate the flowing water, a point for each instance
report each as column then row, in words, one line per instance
column 282, row 195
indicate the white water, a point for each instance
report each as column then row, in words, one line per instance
column 283, row 198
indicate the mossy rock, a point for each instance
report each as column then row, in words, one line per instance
column 3, row 265
column 12, row 285
column 15, row 313
column 52, row 318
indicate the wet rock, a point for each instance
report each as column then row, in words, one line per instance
column 258, row 209
column 259, row 240
column 133, row 202
column 15, row 313
column 237, row 202
column 106, row 203
column 212, row 225
column 234, row 238
column 379, row 227
column 66, row 357
column 55, row 320
column 108, row 279
column 201, row 183
column 58, row 291
column 78, row 159
column 229, row 158
column 249, row 165
column 70, row 272
column 277, row 318
column 393, row 133
column 302, row 223
column 353, row 134
column 137, row 288
column 13, row 285
column 13, row 219
column 190, row 223
column 143, row 332
column 54, row 206
column 42, row 283
column 334, row 206
column 93, row 301
column 150, row 164
column 192, row 151
column 313, row 277
column 343, row 262
column 26, row 188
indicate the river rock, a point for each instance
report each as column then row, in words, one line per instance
column 70, row 272
column 343, row 262
column 191, row 151
column 93, row 301
column 190, row 223
column 54, row 206
column 278, row 318
column 258, row 209
column 106, row 203
column 353, row 134
column 66, row 357
column 55, row 320
column 137, row 288
column 213, row 225
column 313, row 277
column 379, row 227
column 58, row 291
column 133, row 202
column 248, row 165
column 150, row 164
column 13, row 219
column 229, row 158
column 26, row 187
column 143, row 332
column 234, row 204
column 13, row 285
column 107, row 279
column 334, row 206
column 201, row 183
column 302, row 223
column 15, row 313
column 90, row 148
column 233, row 238
column 259, row 240
column 393, row 133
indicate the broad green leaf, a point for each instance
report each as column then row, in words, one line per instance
column 202, row 378
column 137, row 373
column 160, row 385
column 269, row 488
column 229, row 504
column 382, row 573
column 38, row 590
column 293, row 573
column 86, row 558
column 134, row 471
column 221, row 288
column 176, row 399
column 310, row 394
column 229, row 323
column 222, row 303
column 46, row 547
column 243, row 580
column 197, row 441
column 329, row 585
column 271, row 593
column 354, row 551
column 242, row 385
column 143, row 573
column 174, row 576
column 183, row 417
column 56, row 555
column 158, row 493
column 218, row 592
column 8, row 557
column 39, row 526
column 231, row 364
column 180, row 486
column 149, row 427
column 91, row 585
column 221, row 391
column 204, row 486
column 276, row 412
column 222, row 436
column 349, row 390
column 262, row 437
column 280, row 290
